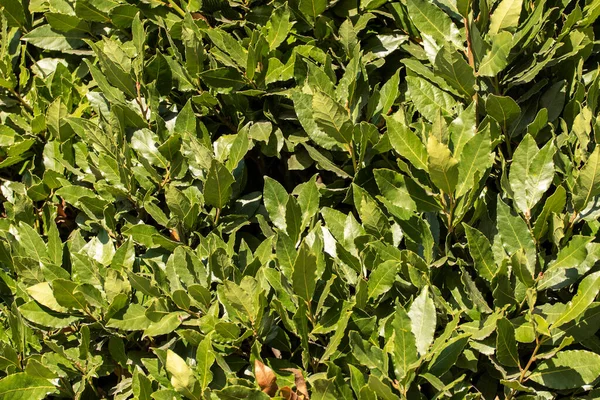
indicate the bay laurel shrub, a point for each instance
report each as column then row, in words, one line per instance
column 253, row 199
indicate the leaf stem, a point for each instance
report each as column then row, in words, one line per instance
column 177, row 8
column 353, row 156
column 471, row 60
column 217, row 215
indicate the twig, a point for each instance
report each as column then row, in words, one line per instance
column 21, row 100
column 524, row 371
column 138, row 100
column 353, row 156
column 217, row 215
column 471, row 60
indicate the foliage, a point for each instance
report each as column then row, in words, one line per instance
column 251, row 199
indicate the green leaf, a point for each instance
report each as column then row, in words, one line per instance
column 14, row 12
column 66, row 23
column 278, row 27
column 304, row 273
column 405, row 346
column 304, row 112
column 182, row 376
column 505, row 16
column 431, row 20
column 531, row 173
column 515, row 234
column 496, row 58
column 64, row 292
column 442, row 166
column 396, row 196
column 554, row 204
column 506, row 345
column 229, row 45
column 372, row 217
column 275, row 197
column 46, row 38
column 382, row 390
column 205, row 357
column 132, row 318
column 406, row 142
column 587, row 185
column 462, row 129
column 366, row 353
column 24, row 386
column 293, row 219
column 564, row 268
column 481, row 251
column 141, row 385
column 429, row 100
column 116, row 67
column 339, row 332
column 157, row 70
column 43, row 294
column 167, row 324
column 32, row 243
column 122, row 16
column 308, row 199
column 448, row 355
column 223, row 78
column 475, row 158
column 46, row 317
column 87, row 11
column 586, row 293
column 503, row 109
column 311, row 9
column 239, row 299
column 324, row 162
column 382, row 278
column 217, row 188
column 423, row 320
column 388, row 95
column 144, row 142
column 451, row 66
column 238, row 150
column 332, row 118
column 570, row 369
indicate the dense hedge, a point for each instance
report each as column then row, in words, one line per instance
column 251, row 199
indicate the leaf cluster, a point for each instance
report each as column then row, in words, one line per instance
column 374, row 199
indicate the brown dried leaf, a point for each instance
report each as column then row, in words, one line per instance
column 287, row 394
column 265, row 377
column 299, row 381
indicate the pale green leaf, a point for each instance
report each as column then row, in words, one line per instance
column 587, row 185
column 423, row 320
column 406, row 142
column 442, row 166
column 496, row 58
column 586, row 293
column 505, row 16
